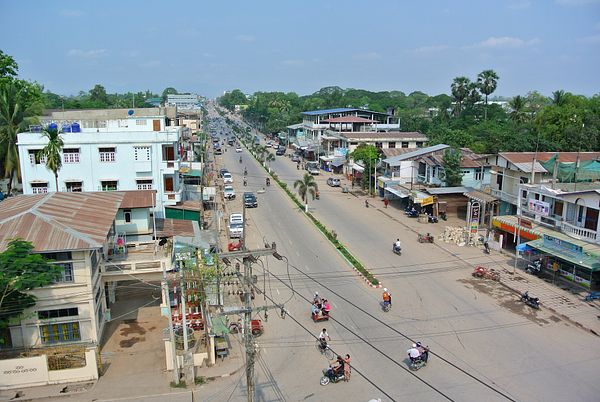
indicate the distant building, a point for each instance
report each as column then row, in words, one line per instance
column 154, row 102
column 108, row 150
column 184, row 101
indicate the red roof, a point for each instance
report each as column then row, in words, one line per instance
column 523, row 157
column 348, row 119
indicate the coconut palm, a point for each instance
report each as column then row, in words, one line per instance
column 517, row 104
column 52, row 151
column 460, row 90
column 15, row 114
column 558, row 97
column 487, row 81
column 306, row 186
column 269, row 157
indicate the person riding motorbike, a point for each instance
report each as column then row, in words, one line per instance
column 245, row 171
column 323, row 338
column 317, row 299
column 339, row 368
column 413, row 353
column 245, row 182
column 397, row 246
column 240, row 159
column 387, row 297
column 424, row 352
column 367, row 203
column 268, row 182
column 314, row 310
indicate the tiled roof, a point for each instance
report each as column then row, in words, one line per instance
column 60, row 221
column 524, row 157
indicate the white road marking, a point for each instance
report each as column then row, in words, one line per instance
column 277, row 291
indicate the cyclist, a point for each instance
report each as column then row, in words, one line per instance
column 323, row 338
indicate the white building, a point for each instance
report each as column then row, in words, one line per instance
column 107, row 150
column 184, row 101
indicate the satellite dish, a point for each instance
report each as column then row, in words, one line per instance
column 130, row 112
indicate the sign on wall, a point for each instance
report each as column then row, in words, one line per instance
column 474, row 217
column 26, row 370
column 538, row 207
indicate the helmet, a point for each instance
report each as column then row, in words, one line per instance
column 418, row 344
column 385, row 289
column 414, row 345
column 316, row 293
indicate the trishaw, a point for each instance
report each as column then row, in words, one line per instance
column 483, row 272
column 425, row 238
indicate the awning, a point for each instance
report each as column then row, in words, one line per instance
column 509, row 223
column 586, row 260
column 358, row 168
column 337, row 162
column 193, row 173
column 397, row 192
column 523, row 247
column 480, row 196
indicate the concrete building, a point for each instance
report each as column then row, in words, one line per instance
column 108, row 150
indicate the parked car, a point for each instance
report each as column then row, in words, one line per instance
column 236, row 217
column 312, row 168
column 250, row 200
column 236, row 230
column 222, row 171
column 227, row 178
column 333, row 182
column 295, row 158
column 218, row 151
column 229, row 193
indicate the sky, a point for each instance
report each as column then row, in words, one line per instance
column 211, row 46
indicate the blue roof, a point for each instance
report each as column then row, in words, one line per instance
column 327, row 111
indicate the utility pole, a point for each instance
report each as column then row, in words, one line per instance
column 167, row 300
column 248, row 257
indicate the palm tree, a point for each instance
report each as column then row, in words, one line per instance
column 15, row 117
column 487, row 81
column 306, row 186
column 517, row 105
column 269, row 157
column 558, row 97
column 52, row 151
column 460, row 90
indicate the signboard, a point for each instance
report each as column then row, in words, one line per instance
column 340, row 152
column 427, row 201
column 563, row 246
column 526, row 223
column 474, row 218
column 538, row 207
column 26, row 370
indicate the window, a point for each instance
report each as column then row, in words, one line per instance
column 140, row 122
column 141, row 153
column 109, row 185
column 71, row 155
column 67, row 272
column 392, row 144
column 39, row 188
column 107, row 154
column 419, row 144
column 404, row 144
column 127, row 214
column 64, row 332
column 74, row 186
column 58, row 313
column 499, row 181
column 144, row 184
column 35, row 157
column 353, row 143
column 479, row 174
column 378, row 145
column 61, row 256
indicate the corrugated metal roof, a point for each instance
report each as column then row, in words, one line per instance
column 388, row 135
column 526, row 167
column 447, row 190
column 138, row 199
column 60, row 221
column 348, row 119
column 524, row 157
column 174, row 227
column 413, row 154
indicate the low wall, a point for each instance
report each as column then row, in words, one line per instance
column 33, row 371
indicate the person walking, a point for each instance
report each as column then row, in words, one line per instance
column 386, row 202
column 347, row 367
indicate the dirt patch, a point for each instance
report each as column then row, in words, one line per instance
column 554, row 318
column 133, row 327
column 505, row 297
column 127, row 343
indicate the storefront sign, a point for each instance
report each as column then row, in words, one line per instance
column 539, row 207
column 526, row 223
column 562, row 246
column 474, row 217
column 427, row 201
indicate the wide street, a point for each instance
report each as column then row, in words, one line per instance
column 485, row 344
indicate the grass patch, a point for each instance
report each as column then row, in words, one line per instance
column 180, row 384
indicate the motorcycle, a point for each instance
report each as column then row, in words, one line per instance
column 317, row 195
column 417, row 363
column 396, row 250
column 386, row 306
column 534, row 267
column 530, row 301
column 245, row 183
column 366, row 203
column 329, row 376
column 411, row 213
column 432, row 219
column 268, row 182
column 426, row 238
column 240, row 159
column 245, row 172
column 443, row 216
column 486, row 247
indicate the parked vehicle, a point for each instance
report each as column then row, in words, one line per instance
column 530, row 301
column 223, row 171
column 228, row 192
column 280, row 151
column 432, row 219
column 238, row 149
column 295, row 158
column 483, row 272
column 236, row 218
column 236, row 230
column 313, row 168
column 411, row 213
column 534, row 267
column 592, row 296
column 333, row 182
column 250, row 200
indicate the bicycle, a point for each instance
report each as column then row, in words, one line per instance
column 327, row 351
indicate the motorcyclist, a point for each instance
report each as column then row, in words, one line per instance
column 268, row 181
column 245, row 171
column 240, row 159
column 245, row 182
column 323, row 338
column 317, row 299
column 424, row 352
column 397, row 246
column 315, row 311
column 413, row 353
column 387, row 297
column 339, row 368
column 367, row 203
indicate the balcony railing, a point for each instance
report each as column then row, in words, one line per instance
column 578, row 232
column 504, row 196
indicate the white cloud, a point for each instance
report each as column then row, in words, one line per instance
column 71, row 13
column 577, row 2
column 594, row 39
column 367, row 56
column 519, row 5
column 245, row 38
column 87, row 54
column 431, row 49
column 505, row 42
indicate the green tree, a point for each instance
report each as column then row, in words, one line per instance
column 487, row 81
column 18, row 106
column 460, row 90
column 368, row 154
column 8, row 67
column 168, row 91
column 452, row 169
column 98, row 95
column 52, row 151
column 517, row 114
column 22, row 271
column 306, row 186
column 269, row 157
column 558, row 97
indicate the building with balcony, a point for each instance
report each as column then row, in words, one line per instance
column 184, row 101
column 560, row 224
column 108, row 150
column 509, row 169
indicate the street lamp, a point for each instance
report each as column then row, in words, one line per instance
column 518, row 215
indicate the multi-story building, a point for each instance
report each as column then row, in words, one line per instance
column 108, row 150
column 184, row 101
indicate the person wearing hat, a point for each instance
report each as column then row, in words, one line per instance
column 413, row 353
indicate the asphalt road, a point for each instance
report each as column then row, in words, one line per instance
column 475, row 329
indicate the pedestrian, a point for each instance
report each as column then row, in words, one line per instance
column 347, row 367
column 386, row 202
